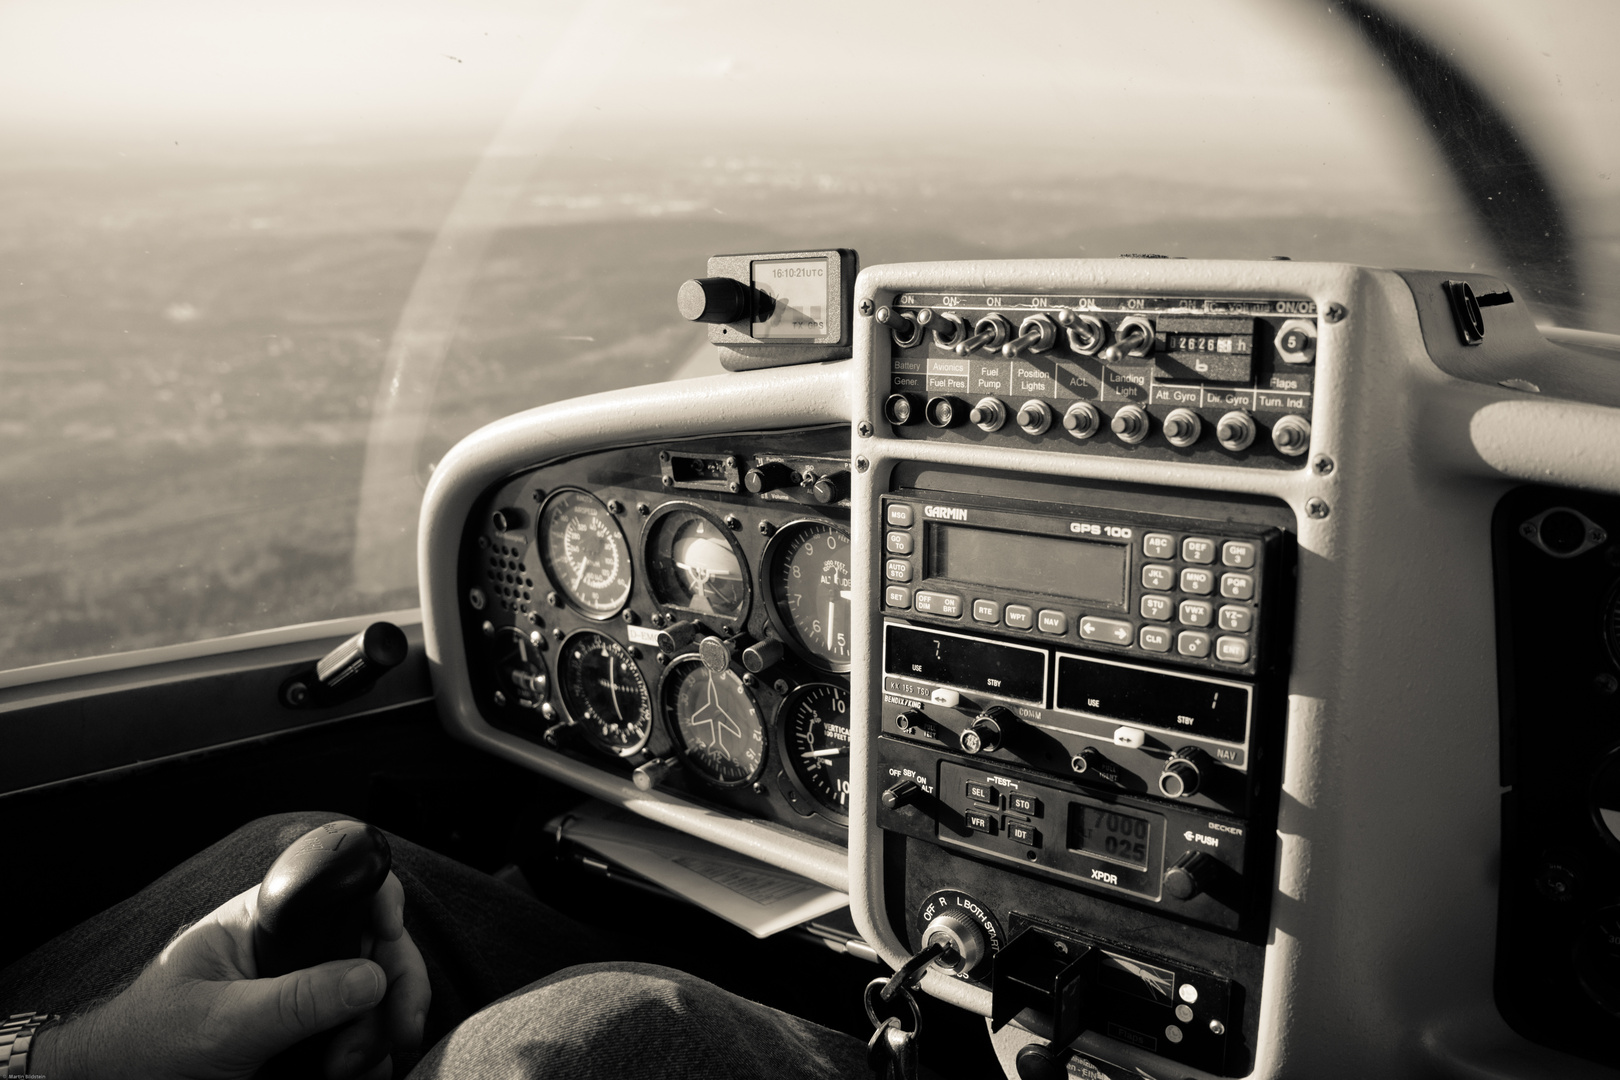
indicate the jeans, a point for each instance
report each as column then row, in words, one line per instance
column 481, row 940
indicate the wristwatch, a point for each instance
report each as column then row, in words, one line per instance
column 17, row 1038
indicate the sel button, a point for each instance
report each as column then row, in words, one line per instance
column 979, row 791
column 1113, row 631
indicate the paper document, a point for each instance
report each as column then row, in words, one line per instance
column 753, row 895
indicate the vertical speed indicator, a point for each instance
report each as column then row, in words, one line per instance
column 807, row 576
column 815, row 727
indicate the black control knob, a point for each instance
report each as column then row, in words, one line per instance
column 899, row 409
column 1185, row 772
column 831, row 488
column 762, row 654
column 717, row 653
column 768, row 477
column 653, row 773
column 910, row 719
column 677, row 636
column 508, row 519
column 943, row 412
column 374, row 650
column 1039, row 1061
column 901, row 794
column 713, row 300
column 1188, row 877
column 987, row 731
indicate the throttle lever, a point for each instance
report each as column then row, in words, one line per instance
column 314, row 906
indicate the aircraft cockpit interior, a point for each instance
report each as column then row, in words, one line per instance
column 1111, row 666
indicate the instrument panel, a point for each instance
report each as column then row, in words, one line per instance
column 678, row 612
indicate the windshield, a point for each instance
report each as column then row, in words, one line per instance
column 265, row 264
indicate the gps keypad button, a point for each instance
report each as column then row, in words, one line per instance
column 1113, row 631
column 1158, row 578
column 1197, row 549
column 986, row 611
column 1235, row 618
column 899, row 514
column 1052, row 622
column 1237, row 586
column 1154, row 639
column 1159, row 546
column 938, row 603
column 1196, row 581
column 1192, row 643
column 897, row 596
column 1196, row 612
column 899, row 543
column 1157, row 608
column 1020, row 616
column 897, row 570
column 1233, row 650
column 1238, row 553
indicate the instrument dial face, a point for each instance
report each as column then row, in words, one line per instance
column 716, row 721
column 807, row 567
column 694, row 564
column 585, row 553
column 815, row 727
column 604, row 692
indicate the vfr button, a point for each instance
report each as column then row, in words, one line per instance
column 1158, row 608
column 899, row 514
column 1233, row 650
column 1192, row 643
column 1052, row 622
column 1113, row 631
column 1196, row 612
column 986, row 611
column 1197, row 549
column 937, row 603
column 897, row 596
column 1238, row 553
column 1235, row 618
column 1020, row 617
column 1158, row 578
column 1159, row 546
column 980, row 792
column 1237, row 586
column 899, row 543
column 1129, row 737
column 1028, row 805
column 1154, row 639
column 897, row 570
column 1198, row 582
column 980, row 821
column 1022, row 832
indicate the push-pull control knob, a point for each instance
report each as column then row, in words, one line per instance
column 1291, row 435
column 1082, row 420
column 676, row 637
column 964, row 941
column 1035, row 416
column 713, row 300
column 1131, row 424
column 768, row 477
column 1185, row 772
column 1235, row 431
column 901, row 794
column 988, row 413
column 1182, row 427
column 374, row 650
column 988, row 730
column 1187, row 878
column 831, row 487
column 652, row 774
column 761, row 655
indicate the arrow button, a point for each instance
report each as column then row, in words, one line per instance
column 1112, row 631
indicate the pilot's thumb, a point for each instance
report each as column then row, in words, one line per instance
column 288, row 1009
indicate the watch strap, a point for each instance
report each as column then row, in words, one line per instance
column 17, row 1039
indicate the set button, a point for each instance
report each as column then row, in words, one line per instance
column 1193, row 643
column 1196, row 612
column 1020, row 616
column 897, row 596
column 899, row 543
column 1238, row 553
column 1233, row 650
column 899, row 514
column 1157, row 608
column 938, row 603
column 1237, row 586
column 1158, row 578
column 1198, row 582
column 1154, row 639
column 1052, row 622
column 897, row 570
column 1197, row 549
column 1159, row 546
column 986, row 611
column 1236, row 619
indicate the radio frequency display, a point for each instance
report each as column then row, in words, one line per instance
column 1024, row 562
column 1009, row 671
column 1214, row 710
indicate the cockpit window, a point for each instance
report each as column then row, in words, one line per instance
column 264, row 264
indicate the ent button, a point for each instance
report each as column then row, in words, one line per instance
column 1113, row 631
column 937, row 603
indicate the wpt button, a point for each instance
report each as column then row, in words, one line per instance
column 1112, row 631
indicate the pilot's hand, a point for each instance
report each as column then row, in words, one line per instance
column 198, row 1012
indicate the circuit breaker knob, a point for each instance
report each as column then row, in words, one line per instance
column 942, row 412
column 988, row 413
column 1035, row 416
column 1182, row 427
column 1082, row 420
column 1131, row 424
column 1235, row 431
column 1291, row 435
column 713, row 300
column 898, row 409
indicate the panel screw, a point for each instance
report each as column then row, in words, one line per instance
column 1334, row 313
column 297, row 694
column 669, row 481
column 1323, row 465
column 643, row 509
column 500, row 699
column 1606, row 683
column 635, row 653
column 557, row 632
column 759, row 788
column 1529, row 529
column 861, row 464
column 864, row 430
column 766, row 528
column 663, row 455
column 553, row 599
column 488, row 629
column 539, row 495
column 475, row 599
column 1316, row 508
column 866, row 307
column 750, row 680
column 733, row 487
column 615, row 506
column 780, row 686
column 733, row 522
column 628, row 616
column 483, row 543
column 662, row 658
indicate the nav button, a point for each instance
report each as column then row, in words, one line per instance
column 1113, row 631
column 1052, row 622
